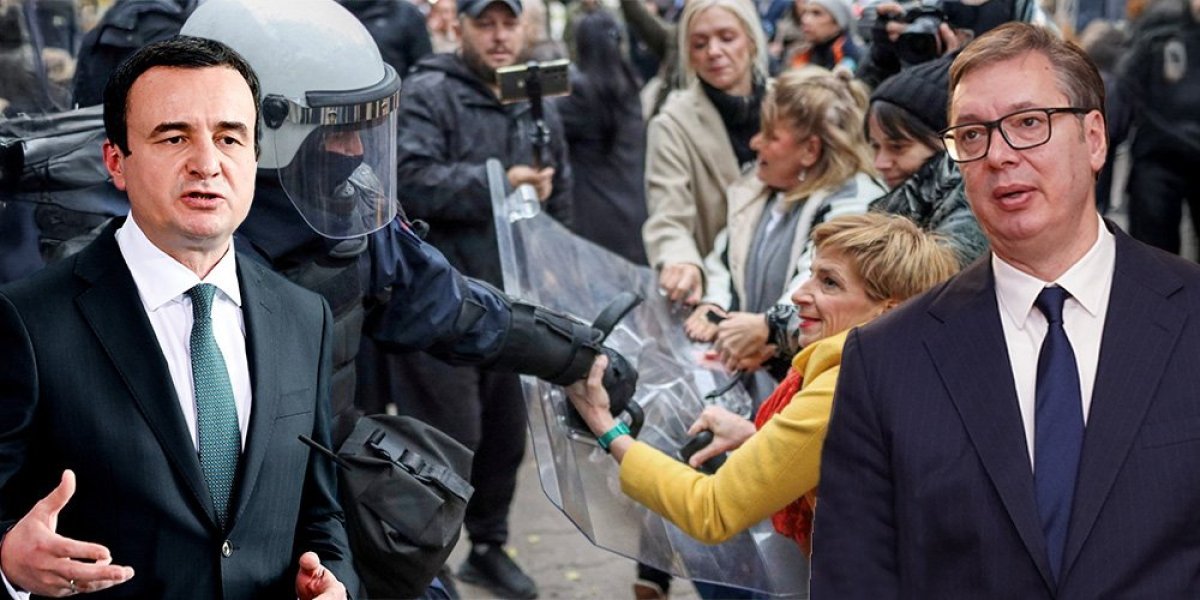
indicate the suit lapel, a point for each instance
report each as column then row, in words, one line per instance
column 970, row 355
column 1140, row 330
column 260, row 309
column 131, row 344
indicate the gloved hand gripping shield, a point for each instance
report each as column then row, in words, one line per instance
column 544, row 263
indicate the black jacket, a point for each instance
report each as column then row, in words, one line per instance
column 608, row 157
column 398, row 28
column 450, row 124
column 1160, row 80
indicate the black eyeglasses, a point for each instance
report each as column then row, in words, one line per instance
column 1022, row 130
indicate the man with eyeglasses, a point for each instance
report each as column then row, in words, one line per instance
column 1032, row 428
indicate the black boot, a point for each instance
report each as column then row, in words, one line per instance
column 489, row 566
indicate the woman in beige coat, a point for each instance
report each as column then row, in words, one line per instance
column 701, row 137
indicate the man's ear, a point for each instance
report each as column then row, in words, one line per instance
column 1095, row 132
column 114, row 161
column 457, row 25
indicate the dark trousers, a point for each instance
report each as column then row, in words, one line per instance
column 482, row 410
column 1158, row 186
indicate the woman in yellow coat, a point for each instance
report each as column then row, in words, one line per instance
column 863, row 266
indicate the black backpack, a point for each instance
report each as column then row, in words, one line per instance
column 404, row 487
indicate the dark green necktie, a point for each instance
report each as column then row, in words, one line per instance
column 216, row 414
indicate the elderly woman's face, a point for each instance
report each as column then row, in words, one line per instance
column 782, row 154
column 833, row 299
column 720, row 51
column 817, row 24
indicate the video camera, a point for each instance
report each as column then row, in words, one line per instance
column 920, row 40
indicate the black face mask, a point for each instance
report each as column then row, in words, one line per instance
column 327, row 181
column 338, row 168
column 333, row 168
column 340, row 195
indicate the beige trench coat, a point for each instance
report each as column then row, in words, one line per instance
column 689, row 163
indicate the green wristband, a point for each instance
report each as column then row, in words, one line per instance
column 611, row 435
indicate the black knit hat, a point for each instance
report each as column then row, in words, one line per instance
column 921, row 89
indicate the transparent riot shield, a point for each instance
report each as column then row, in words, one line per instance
column 543, row 262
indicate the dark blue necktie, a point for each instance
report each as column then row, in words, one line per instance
column 1058, row 427
column 216, row 415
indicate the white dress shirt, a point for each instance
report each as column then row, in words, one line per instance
column 162, row 284
column 1089, row 282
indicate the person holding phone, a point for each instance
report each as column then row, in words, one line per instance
column 451, row 122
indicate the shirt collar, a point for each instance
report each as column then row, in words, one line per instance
column 161, row 279
column 1086, row 280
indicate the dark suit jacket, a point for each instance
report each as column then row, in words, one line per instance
column 84, row 385
column 926, row 483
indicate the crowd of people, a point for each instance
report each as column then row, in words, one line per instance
column 888, row 222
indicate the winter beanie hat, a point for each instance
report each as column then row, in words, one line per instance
column 839, row 9
column 921, row 89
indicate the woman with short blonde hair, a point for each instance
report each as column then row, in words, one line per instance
column 864, row 265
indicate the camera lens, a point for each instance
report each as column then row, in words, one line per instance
column 919, row 42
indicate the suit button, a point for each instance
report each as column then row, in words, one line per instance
column 226, row 549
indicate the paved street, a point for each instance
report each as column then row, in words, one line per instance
column 562, row 561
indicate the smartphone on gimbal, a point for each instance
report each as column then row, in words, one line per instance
column 550, row 76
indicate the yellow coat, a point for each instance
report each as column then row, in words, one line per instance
column 777, row 465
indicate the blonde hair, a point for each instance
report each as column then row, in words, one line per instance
column 751, row 26
column 895, row 258
column 830, row 106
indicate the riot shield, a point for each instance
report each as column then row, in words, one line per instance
column 545, row 263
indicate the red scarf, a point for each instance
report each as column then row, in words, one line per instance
column 795, row 519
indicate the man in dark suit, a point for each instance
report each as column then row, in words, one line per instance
column 1029, row 429
column 161, row 381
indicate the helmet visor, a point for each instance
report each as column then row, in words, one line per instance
column 343, row 178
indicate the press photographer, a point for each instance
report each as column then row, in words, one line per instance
column 914, row 32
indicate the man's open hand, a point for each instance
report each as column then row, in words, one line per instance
column 35, row 558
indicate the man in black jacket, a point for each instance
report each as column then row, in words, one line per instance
column 451, row 122
column 1159, row 80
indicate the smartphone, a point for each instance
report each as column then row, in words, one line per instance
column 550, row 75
